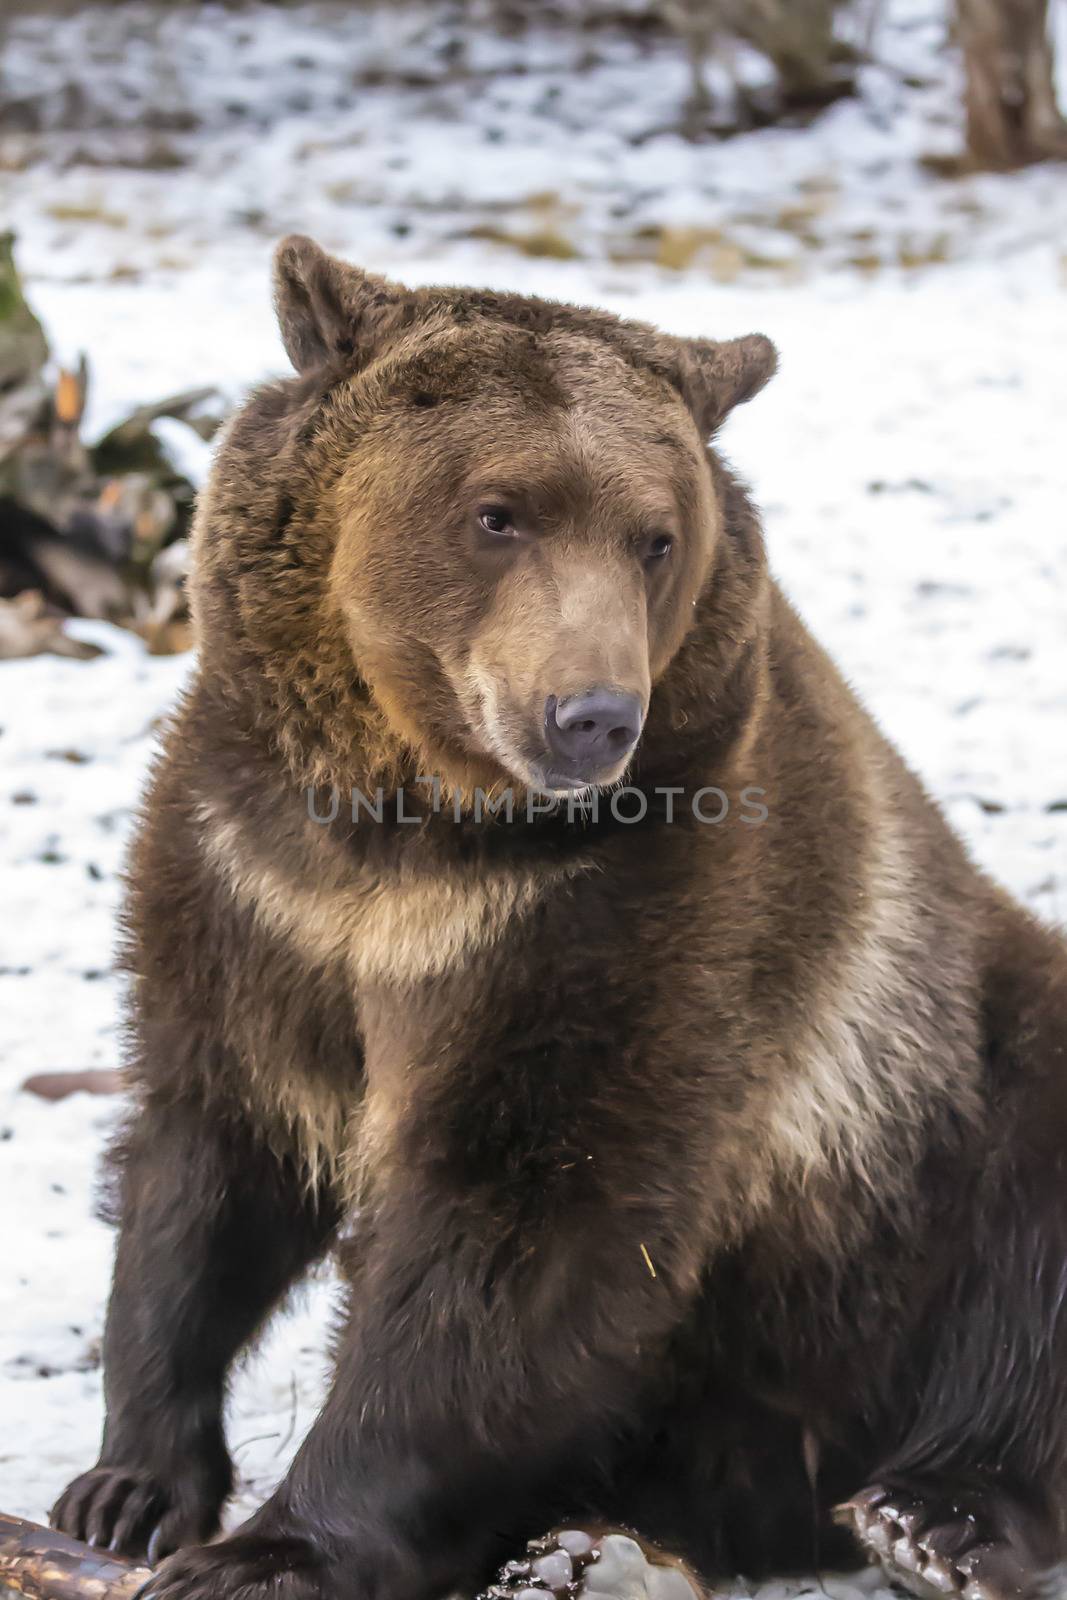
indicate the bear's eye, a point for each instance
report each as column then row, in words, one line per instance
column 659, row 546
column 497, row 519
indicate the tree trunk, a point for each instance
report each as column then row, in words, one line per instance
column 812, row 65
column 1012, row 115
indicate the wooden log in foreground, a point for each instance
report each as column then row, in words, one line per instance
column 42, row 1564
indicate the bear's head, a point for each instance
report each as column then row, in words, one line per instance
column 472, row 535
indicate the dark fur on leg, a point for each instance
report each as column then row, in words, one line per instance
column 972, row 1499
column 214, row 1230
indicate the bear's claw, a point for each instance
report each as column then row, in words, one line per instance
column 131, row 1511
column 936, row 1548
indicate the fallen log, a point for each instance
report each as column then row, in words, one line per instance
column 42, row 1564
column 96, row 529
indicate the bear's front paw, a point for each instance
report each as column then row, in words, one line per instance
column 968, row 1544
column 134, row 1510
column 247, row 1566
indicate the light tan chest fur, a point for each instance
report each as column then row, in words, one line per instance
column 393, row 932
column 384, row 929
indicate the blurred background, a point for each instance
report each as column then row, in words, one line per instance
column 879, row 185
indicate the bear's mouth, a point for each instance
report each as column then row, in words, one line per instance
column 534, row 768
column 575, row 785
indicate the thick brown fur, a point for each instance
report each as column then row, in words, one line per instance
column 693, row 1177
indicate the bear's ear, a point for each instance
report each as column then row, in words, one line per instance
column 716, row 377
column 327, row 310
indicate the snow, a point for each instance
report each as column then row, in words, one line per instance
column 905, row 458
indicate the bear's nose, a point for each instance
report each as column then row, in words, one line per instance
column 591, row 732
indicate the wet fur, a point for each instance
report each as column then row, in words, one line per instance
column 703, row 1174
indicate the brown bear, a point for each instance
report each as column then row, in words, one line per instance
column 695, row 1168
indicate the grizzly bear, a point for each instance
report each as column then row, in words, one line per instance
column 695, row 1169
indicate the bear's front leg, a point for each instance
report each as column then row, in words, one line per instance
column 493, row 1341
column 214, row 1230
column 970, row 1504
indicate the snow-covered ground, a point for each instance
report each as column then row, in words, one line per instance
column 909, row 458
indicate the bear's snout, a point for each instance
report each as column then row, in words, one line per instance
column 589, row 734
